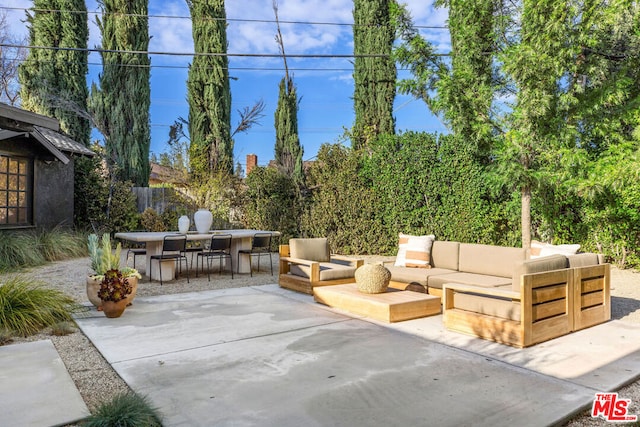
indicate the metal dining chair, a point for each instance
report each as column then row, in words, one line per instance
column 174, row 247
column 220, row 248
column 260, row 245
column 136, row 252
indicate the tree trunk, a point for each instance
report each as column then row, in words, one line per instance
column 526, row 216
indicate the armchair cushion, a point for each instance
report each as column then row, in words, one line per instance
column 310, row 249
column 490, row 306
column 328, row 271
column 583, row 260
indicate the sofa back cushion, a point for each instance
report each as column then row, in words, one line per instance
column 445, row 254
column 490, row 260
column 583, row 260
column 537, row 265
column 310, row 249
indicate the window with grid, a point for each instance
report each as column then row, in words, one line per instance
column 15, row 191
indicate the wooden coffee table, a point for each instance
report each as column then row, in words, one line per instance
column 391, row 306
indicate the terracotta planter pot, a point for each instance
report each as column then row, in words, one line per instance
column 114, row 309
column 93, row 286
column 133, row 281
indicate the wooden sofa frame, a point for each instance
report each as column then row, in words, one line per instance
column 552, row 304
column 306, row 285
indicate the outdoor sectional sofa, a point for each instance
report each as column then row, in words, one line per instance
column 497, row 293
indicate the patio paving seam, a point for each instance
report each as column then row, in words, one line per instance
column 248, row 338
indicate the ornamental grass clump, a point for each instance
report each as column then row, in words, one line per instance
column 27, row 307
column 125, row 410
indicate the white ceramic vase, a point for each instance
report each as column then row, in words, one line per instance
column 203, row 220
column 183, row 224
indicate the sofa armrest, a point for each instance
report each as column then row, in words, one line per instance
column 315, row 266
column 356, row 262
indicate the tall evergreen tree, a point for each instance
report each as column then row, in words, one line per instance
column 374, row 76
column 288, row 149
column 209, row 92
column 120, row 106
column 54, row 80
column 467, row 91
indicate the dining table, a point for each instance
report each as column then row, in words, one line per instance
column 240, row 239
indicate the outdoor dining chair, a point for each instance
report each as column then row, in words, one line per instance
column 220, row 248
column 174, row 247
column 260, row 245
column 136, row 252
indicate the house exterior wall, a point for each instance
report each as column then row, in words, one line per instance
column 53, row 194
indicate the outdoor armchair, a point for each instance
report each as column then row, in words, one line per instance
column 306, row 263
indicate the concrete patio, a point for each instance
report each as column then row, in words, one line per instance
column 270, row 357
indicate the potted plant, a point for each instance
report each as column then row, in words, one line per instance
column 114, row 290
column 104, row 259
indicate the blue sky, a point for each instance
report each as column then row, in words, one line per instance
column 325, row 85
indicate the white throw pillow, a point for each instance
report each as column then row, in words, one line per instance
column 539, row 249
column 414, row 251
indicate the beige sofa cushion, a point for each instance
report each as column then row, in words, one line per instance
column 491, row 306
column 328, row 271
column 414, row 251
column 310, row 249
column 480, row 280
column 419, row 275
column 537, row 265
column 490, row 260
column 583, row 260
column 445, row 255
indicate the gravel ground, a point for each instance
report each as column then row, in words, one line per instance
column 98, row 382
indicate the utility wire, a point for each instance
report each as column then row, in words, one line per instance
column 206, row 54
column 263, row 21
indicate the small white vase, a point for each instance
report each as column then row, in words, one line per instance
column 203, row 220
column 183, row 224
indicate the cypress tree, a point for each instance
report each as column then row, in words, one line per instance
column 288, row 150
column 208, row 91
column 375, row 77
column 54, row 80
column 121, row 105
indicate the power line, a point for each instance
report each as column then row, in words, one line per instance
column 262, row 21
column 186, row 67
column 203, row 54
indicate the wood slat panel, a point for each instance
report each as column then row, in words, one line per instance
column 549, row 293
column 549, row 309
column 592, row 284
column 549, row 329
column 592, row 299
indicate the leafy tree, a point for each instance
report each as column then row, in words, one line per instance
column 209, row 92
column 374, row 71
column 288, row 152
column 120, row 106
column 10, row 58
column 466, row 92
column 54, row 80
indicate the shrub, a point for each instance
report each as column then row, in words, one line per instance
column 27, row 307
column 125, row 410
column 59, row 244
column 272, row 201
column 151, row 221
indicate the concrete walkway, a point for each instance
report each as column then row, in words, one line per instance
column 35, row 388
column 270, row 357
